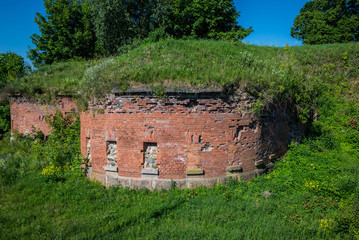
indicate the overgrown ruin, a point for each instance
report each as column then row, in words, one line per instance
column 185, row 137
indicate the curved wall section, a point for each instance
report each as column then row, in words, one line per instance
column 185, row 137
column 189, row 137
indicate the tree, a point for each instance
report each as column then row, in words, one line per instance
column 4, row 118
column 214, row 19
column 327, row 21
column 66, row 32
column 118, row 22
column 11, row 66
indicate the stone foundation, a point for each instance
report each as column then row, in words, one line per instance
column 159, row 184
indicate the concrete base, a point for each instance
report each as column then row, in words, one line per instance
column 158, row 184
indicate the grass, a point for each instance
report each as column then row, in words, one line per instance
column 197, row 64
column 48, row 81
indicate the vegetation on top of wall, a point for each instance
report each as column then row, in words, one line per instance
column 49, row 81
column 296, row 74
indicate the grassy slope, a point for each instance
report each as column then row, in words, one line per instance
column 200, row 63
column 194, row 64
column 315, row 188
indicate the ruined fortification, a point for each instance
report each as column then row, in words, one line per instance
column 28, row 116
column 185, row 137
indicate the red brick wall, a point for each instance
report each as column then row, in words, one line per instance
column 229, row 133
column 210, row 133
column 26, row 114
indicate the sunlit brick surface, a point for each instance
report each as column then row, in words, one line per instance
column 27, row 116
column 207, row 133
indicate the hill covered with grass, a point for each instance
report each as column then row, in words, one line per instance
column 298, row 74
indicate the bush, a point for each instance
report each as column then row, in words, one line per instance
column 61, row 152
column 4, row 118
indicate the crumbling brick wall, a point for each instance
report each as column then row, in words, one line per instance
column 27, row 115
column 204, row 134
column 201, row 134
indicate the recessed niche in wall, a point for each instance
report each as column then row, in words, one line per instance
column 111, row 152
column 111, row 157
column 88, row 150
column 150, row 155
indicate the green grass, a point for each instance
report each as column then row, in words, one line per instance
column 48, row 81
column 197, row 64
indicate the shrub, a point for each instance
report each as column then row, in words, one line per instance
column 61, row 152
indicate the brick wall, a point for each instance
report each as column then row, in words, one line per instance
column 198, row 135
column 27, row 115
column 191, row 132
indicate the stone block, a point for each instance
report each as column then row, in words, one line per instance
column 124, row 182
column 110, row 168
column 259, row 163
column 161, row 184
column 235, row 176
column 197, row 182
column 194, row 171
column 111, row 181
column 236, row 168
column 272, row 157
column 113, row 174
column 149, row 171
column 221, row 180
column 141, row 183
column 149, row 176
column 100, row 177
column 180, row 183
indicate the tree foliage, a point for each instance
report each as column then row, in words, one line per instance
column 11, row 66
column 66, row 32
column 202, row 19
column 4, row 118
column 83, row 28
column 118, row 22
column 327, row 21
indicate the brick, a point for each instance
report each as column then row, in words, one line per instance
column 27, row 115
column 214, row 134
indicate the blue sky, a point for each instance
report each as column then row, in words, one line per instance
column 270, row 20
